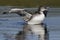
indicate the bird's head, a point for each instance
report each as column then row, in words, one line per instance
column 44, row 10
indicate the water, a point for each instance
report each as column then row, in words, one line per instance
column 53, row 22
column 11, row 24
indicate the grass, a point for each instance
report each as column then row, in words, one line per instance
column 30, row 3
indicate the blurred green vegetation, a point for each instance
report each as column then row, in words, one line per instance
column 30, row 3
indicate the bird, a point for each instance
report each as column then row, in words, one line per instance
column 32, row 19
column 35, row 18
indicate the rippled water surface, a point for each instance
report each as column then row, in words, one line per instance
column 11, row 24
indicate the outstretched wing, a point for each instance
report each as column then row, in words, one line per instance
column 25, row 15
column 15, row 10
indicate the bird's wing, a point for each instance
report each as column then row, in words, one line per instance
column 27, row 16
column 22, row 12
column 15, row 10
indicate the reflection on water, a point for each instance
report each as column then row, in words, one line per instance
column 33, row 32
column 11, row 24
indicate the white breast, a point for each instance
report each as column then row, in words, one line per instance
column 37, row 19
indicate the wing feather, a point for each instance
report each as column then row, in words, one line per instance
column 22, row 12
column 27, row 16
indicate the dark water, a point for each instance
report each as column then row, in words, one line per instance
column 11, row 24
